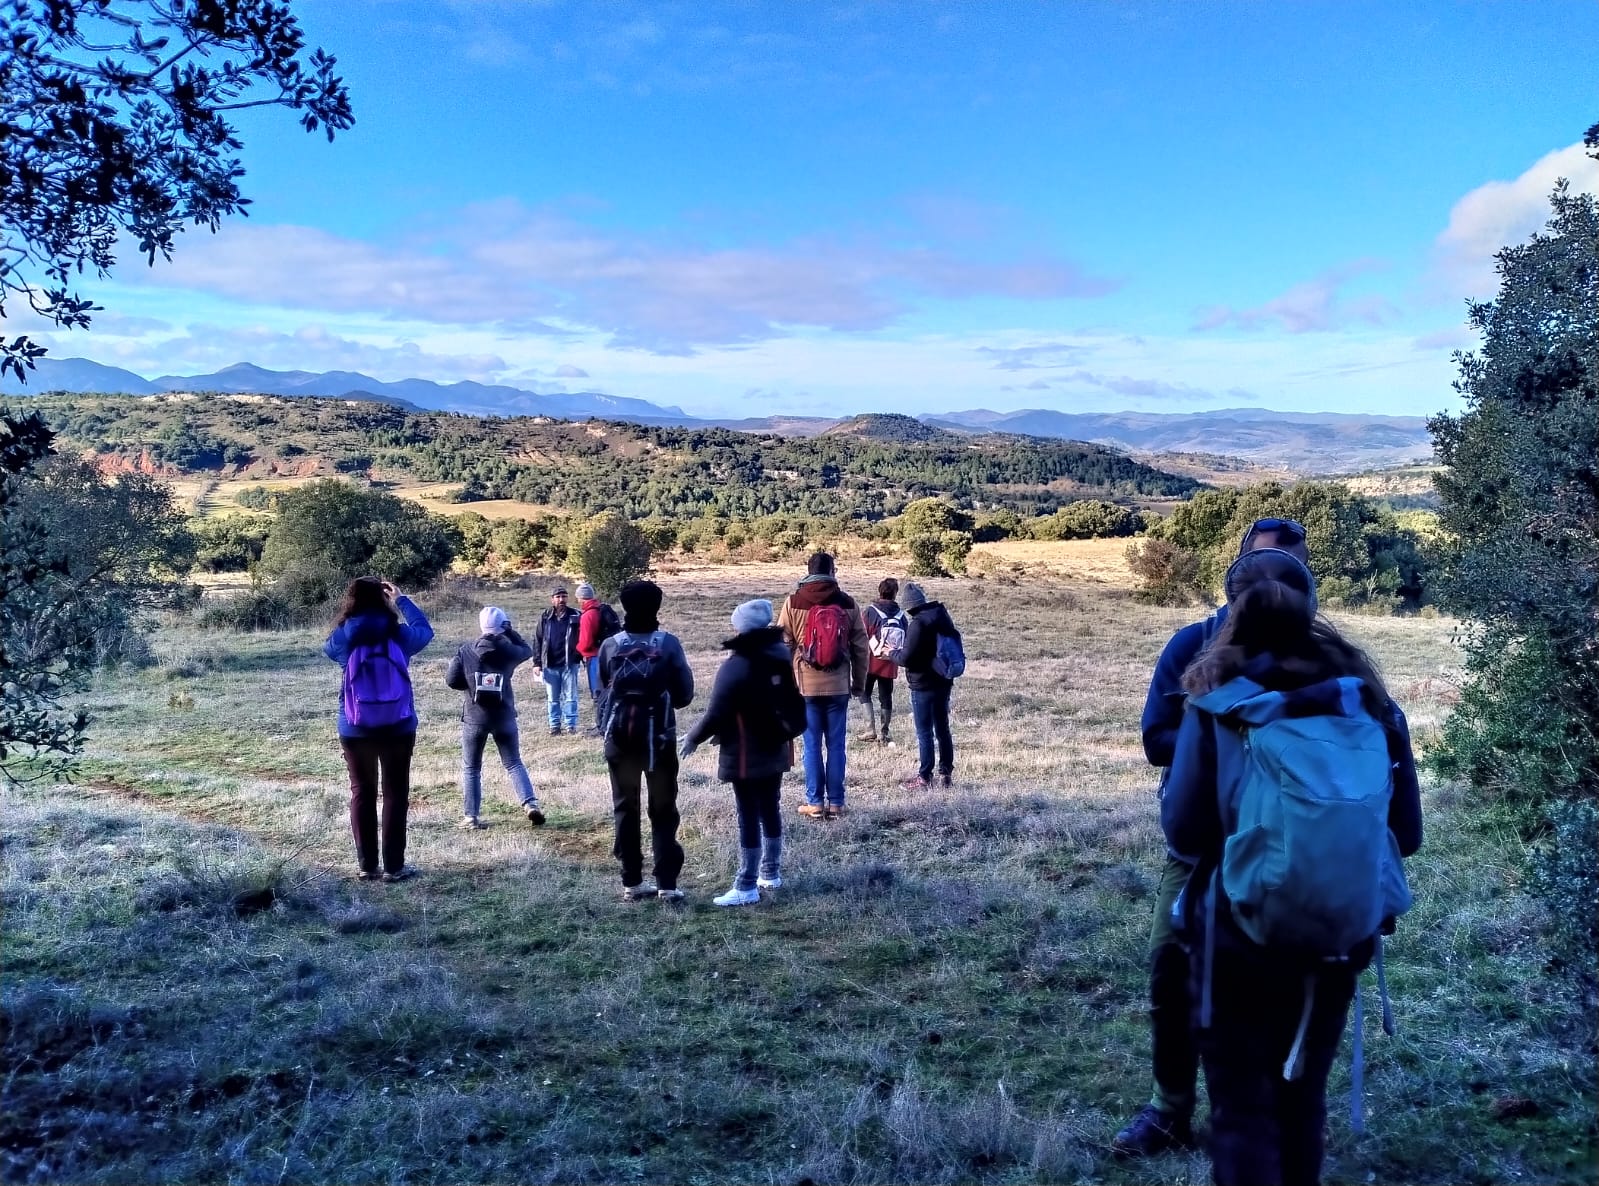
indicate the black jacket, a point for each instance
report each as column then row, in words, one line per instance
column 556, row 645
column 754, row 689
column 923, row 626
column 493, row 652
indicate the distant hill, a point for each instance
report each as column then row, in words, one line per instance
column 1306, row 442
column 660, row 471
column 81, row 375
column 881, row 426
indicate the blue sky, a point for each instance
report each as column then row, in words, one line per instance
column 750, row 208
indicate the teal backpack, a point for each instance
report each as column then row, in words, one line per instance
column 1310, row 866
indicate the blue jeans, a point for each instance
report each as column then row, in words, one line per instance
column 593, row 668
column 560, row 683
column 473, row 738
column 826, row 719
column 930, row 711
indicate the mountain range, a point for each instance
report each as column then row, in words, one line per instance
column 1306, row 442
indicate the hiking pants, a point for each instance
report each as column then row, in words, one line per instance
column 1172, row 1049
column 930, row 712
column 756, row 800
column 560, row 685
column 826, row 723
column 474, row 736
column 1266, row 1130
column 628, row 778
column 373, row 760
column 885, row 701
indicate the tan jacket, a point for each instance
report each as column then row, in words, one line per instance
column 847, row 679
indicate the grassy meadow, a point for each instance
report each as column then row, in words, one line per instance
column 950, row 986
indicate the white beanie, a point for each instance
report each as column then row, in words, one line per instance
column 492, row 620
column 752, row 615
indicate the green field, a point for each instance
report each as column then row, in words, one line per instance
column 949, row 987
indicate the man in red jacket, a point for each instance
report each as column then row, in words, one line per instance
column 596, row 623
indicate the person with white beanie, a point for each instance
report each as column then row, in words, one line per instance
column 482, row 670
column 755, row 713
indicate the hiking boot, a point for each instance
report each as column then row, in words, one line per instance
column 534, row 815
column 404, row 873
column 737, row 897
column 946, row 780
column 368, row 875
column 833, row 811
column 469, row 823
column 1152, row 1131
column 555, row 730
column 775, row 882
column 670, row 895
column 872, row 737
column 812, row 810
column 638, row 893
column 915, row 783
column 594, row 731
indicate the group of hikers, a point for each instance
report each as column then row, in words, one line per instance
column 1288, row 795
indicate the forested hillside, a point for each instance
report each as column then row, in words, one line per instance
column 595, row 466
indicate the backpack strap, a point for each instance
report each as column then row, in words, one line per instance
column 1294, row 1066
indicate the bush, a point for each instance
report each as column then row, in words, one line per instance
column 1167, row 573
column 229, row 543
column 610, row 551
column 1565, row 874
column 332, row 528
column 925, row 553
column 1087, row 519
column 955, row 546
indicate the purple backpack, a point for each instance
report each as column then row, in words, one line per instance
column 377, row 685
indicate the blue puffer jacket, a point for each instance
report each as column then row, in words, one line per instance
column 413, row 632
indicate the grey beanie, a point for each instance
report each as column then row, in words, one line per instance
column 585, row 591
column 492, row 620
column 912, row 596
column 752, row 615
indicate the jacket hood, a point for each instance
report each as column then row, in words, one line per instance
column 588, row 603
column 1242, row 699
column 367, row 629
column 819, row 590
column 889, row 608
column 754, row 642
column 927, row 607
column 490, row 644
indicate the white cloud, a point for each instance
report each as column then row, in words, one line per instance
column 542, row 273
column 1499, row 214
column 1309, row 307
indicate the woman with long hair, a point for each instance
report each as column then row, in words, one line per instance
column 376, row 632
column 1270, row 1009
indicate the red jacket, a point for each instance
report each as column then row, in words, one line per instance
column 588, row 628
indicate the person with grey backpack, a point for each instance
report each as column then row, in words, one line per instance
column 934, row 660
column 482, row 671
column 1293, row 792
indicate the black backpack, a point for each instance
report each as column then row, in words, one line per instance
column 609, row 623
column 638, row 699
column 777, row 710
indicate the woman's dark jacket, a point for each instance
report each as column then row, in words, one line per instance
column 502, row 652
column 754, row 686
column 923, row 625
column 1199, row 804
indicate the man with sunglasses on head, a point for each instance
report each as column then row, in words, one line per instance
column 1166, row 1122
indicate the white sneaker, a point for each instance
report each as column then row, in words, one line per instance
column 738, row 897
column 669, row 895
column 769, row 882
column 468, row 823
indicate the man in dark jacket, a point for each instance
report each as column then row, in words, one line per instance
column 558, row 660
column 645, row 679
column 755, row 712
column 483, row 669
column 1166, row 1121
column 925, row 622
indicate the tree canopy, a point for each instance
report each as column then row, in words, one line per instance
column 114, row 124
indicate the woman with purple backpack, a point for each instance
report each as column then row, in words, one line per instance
column 377, row 631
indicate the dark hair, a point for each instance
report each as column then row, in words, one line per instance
column 365, row 595
column 1273, row 614
column 819, row 565
column 888, row 589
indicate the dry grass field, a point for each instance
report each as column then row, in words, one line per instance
column 949, row 986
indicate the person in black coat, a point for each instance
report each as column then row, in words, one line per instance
column 482, row 669
column 755, row 712
column 930, row 692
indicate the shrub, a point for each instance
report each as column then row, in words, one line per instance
column 1086, row 519
column 333, row 527
column 925, row 556
column 1565, row 874
column 1167, row 573
column 229, row 543
column 954, row 547
column 610, row 551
